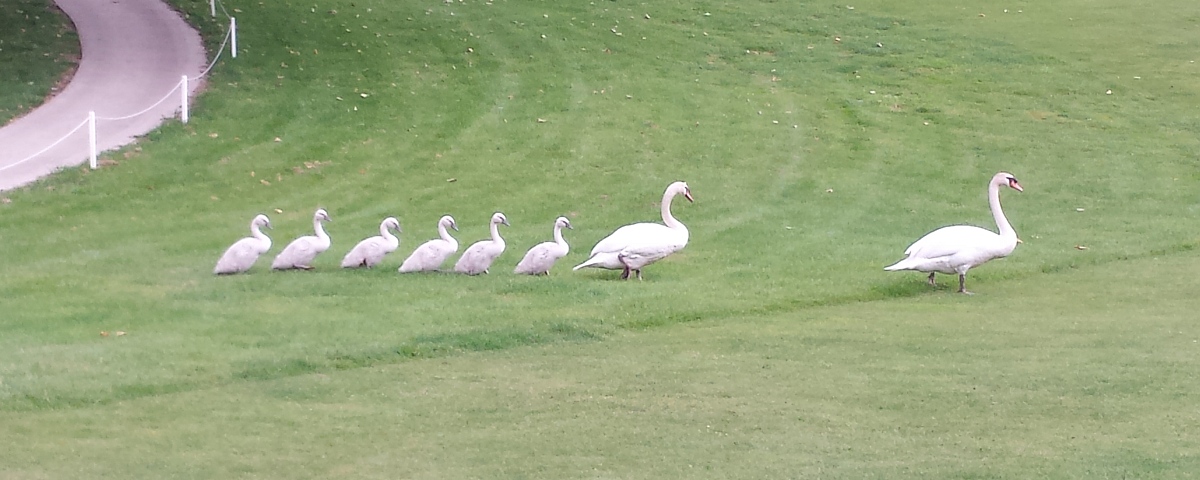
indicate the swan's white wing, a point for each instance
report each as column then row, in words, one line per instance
column 629, row 235
column 947, row 241
column 367, row 253
column 637, row 256
column 608, row 260
column 427, row 257
column 479, row 257
column 239, row 257
column 300, row 252
column 540, row 259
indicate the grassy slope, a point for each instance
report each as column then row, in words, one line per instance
column 37, row 47
column 931, row 387
column 393, row 110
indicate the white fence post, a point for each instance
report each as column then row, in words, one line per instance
column 183, row 100
column 233, row 35
column 92, row 138
column 212, row 7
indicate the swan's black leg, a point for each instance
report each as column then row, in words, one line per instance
column 962, row 284
column 931, row 280
column 639, row 274
column 625, row 274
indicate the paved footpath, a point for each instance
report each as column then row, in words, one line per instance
column 132, row 53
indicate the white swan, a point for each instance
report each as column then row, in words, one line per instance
column 301, row 252
column 371, row 250
column 242, row 254
column 542, row 256
column 430, row 255
column 958, row 248
column 479, row 256
column 634, row 246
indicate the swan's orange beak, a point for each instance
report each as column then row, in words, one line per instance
column 688, row 195
column 1012, row 183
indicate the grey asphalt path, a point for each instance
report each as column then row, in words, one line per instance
column 132, row 53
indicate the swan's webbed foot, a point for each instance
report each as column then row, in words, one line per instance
column 304, row 267
column 931, row 282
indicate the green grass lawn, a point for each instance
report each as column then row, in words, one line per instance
column 1067, row 375
column 819, row 141
column 38, row 46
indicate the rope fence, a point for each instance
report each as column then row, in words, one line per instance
column 181, row 86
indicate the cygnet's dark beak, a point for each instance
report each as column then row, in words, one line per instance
column 688, row 195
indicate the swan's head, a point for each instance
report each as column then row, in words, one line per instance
column 1007, row 180
column 261, row 221
column 500, row 218
column 393, row 224
column 562, row 222
column 681, row 188
column 322, row 215
column 448, row 222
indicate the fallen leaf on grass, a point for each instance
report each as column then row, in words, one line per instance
column 1080, row 247
column 103, row 333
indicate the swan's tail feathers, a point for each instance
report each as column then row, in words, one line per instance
column 587, row 263
column 905, row 264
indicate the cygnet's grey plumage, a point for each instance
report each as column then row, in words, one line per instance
column 301, row 252
column 479, row 256
column 371, row 250
column 539, row 259
column 429, row 256
column 240, row 256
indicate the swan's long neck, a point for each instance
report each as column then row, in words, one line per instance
column 319, row 228
column 558, row 235
column 669, row 219
column 386, row 233
column 256, row 231
column 1006, row 229
column 496, row 233
column 446, row 235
